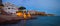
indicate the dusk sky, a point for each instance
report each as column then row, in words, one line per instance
column 48, row 6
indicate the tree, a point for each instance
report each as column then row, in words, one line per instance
column 22, row 8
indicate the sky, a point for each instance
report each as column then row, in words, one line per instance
column 48, row 6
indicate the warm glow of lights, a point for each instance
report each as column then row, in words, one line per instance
column 29, row 14
column 19, row 14
column 25, row 15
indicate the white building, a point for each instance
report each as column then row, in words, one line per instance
column 10, row 8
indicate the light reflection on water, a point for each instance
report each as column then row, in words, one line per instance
column 41, row 21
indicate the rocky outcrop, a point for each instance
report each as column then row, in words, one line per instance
column 8, row 19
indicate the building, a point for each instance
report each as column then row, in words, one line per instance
column 9, row 8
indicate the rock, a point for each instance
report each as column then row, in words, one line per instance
column 7, row 19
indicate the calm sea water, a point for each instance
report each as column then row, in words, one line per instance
column 40, row 21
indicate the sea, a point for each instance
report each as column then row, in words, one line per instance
column 39, row 21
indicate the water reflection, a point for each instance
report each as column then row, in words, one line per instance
column 40, row 21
